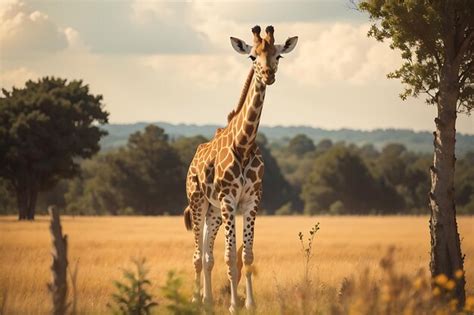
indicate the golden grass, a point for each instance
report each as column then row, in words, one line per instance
column 104, row 245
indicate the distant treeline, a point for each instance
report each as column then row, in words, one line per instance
column 421, row 141
column 147, row 177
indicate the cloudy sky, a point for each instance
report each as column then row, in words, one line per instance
column 172, row 61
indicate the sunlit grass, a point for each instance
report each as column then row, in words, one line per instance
column 104, row 246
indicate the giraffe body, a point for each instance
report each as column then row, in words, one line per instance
column 226, row 173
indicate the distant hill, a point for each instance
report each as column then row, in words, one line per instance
column 414, row 141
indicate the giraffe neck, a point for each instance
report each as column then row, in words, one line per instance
column 245, row 123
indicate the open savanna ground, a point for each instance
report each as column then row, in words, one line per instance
column 344, row 246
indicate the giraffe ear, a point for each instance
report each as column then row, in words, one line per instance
column 240, row 46
column 289, row 45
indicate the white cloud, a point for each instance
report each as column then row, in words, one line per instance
column 26, row 32
column 204, row 71
column 75, row 42
column 329, row 53
column 146, row 11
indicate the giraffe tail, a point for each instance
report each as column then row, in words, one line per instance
column 188, row 221
column 240, row 263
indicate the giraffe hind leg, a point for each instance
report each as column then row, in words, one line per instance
column 247, row 252
column 199, row 207
column 228, row 209
column 211, row 227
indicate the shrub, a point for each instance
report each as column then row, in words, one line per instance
column 133, row 297
column 179, row 304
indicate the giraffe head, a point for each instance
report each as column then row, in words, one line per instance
column 264, row 53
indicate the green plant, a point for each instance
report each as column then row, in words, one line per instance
column 179, row 304
column 133, row 297
column 307, row 249
column 305, row 289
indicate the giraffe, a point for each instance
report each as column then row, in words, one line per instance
column 226, row 174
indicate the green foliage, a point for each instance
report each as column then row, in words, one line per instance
column 186, row 147
column 464, row 183
column 7, row 206
column 145, row 177
column 434, row 37
column 337, row 208
column 179, row 304
column 392, row 180
column 284, row 210
column 277, row 190
column 45, row 128
column 340, row 174
column 279, row 136
column 132, row 297
column 300, row 145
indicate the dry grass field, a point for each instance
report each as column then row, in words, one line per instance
column 104, row 245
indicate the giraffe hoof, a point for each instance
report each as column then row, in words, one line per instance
column 233, row 309
column 208, row 301
column 250, row 306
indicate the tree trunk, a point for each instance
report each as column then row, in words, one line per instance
column 22, row 201
column 33, row 196
column 26, row 201
column 446, row 256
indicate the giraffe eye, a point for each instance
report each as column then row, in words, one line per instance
column 252, row 57
column 279, row 57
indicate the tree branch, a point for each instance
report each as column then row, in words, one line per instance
column 465, row 74
column 465, row 44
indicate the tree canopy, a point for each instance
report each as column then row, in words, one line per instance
column 45, row 128
column 433, row 36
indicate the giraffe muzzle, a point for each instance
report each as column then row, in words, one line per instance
column 269, row 79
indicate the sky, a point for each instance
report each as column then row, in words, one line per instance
column 172, row 61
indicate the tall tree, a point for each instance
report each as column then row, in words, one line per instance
column 155, row 169
column 436, row 40
column 45, row 128
column 277, row 191
column 340, row 176
column 301, row 144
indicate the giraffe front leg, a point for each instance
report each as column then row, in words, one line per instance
column 211, row 227
column 198, row 210
column 247, row 253
column 228, row 209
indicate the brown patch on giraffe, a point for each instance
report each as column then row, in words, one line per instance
column 255, row 163
column 228, row 176
column 257, row 186
column 251, row 175
column 249, row 129
column 235, row 169
column 252, row 115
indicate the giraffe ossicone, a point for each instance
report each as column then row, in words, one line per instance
column 226, row 174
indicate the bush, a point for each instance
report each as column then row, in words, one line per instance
column 180, row 304
column 133, row 297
